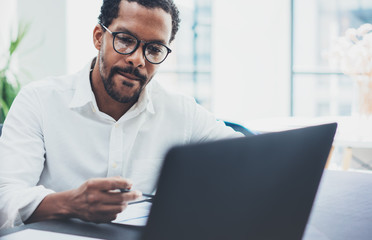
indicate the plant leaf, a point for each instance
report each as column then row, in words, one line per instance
column 23, row 28
column 9, row 91
column 4, row 107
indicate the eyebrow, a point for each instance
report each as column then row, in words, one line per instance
column 124, row 30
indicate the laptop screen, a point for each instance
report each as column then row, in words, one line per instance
column 258, row 187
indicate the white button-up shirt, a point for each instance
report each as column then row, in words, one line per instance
column 55, row 138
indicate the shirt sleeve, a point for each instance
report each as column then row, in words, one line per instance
column 205, row 127
column 22, row 157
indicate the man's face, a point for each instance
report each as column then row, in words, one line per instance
column 125, row 76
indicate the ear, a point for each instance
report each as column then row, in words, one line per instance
column 97, row 36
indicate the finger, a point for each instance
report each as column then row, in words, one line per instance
column 106, row 213
column 110, row 209
column 131, row 196
column 112, row 197
column 106, row 184
column 106, row 219
column 117, row 197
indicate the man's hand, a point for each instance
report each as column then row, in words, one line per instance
column 96, row 201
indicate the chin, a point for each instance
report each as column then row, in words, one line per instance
column 127, row 98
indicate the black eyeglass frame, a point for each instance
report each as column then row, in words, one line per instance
column 145, row 44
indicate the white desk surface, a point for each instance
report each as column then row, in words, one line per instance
column 342, row 209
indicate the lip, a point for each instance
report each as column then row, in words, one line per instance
column 129, row 76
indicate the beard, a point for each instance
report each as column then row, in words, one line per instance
column 109, row 84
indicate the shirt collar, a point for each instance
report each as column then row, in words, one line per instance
column 84, row 94
column 145, row 101
column 83, row 91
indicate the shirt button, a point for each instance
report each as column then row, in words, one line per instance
column 114, row 165
column 116, row 125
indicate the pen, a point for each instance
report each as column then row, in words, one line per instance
column 123, row 190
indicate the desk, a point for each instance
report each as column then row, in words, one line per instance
column 81, row 228
column 342, row 210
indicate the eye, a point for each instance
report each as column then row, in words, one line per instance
column 155, row 49
column 128, row 41
column 125, row 40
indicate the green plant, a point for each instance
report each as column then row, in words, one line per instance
column 9, row 82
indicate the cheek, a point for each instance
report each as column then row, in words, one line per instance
column 150, row 75
column 107, row 53
column 107, row 58
column 151, row 70
column 102, row 63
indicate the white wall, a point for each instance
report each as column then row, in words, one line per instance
column 82, row 17
column 60, row 38
column 251, row 62
column 8, row 20
column 44, row 47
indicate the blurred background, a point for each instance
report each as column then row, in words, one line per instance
column 242, row 60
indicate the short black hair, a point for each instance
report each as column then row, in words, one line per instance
column 110, row 11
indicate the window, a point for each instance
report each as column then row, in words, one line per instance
column 189, row 67
column 318, row 90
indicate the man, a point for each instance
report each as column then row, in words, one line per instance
column 69, row 143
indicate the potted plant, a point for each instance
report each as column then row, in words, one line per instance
column 352, row 53
column 9, row 82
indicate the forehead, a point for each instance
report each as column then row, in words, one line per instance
column 146, row 23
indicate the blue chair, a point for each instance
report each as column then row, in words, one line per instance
column 239, row 128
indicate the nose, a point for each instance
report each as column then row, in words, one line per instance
column 137, row 58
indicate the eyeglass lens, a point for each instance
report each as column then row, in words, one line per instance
column 126, row 44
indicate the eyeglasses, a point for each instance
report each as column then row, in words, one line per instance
column 125, row 43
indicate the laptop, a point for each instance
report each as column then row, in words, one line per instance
column 258, row 187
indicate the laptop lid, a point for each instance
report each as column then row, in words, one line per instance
column 259, row 187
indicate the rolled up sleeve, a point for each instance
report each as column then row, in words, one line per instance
column 205, row 127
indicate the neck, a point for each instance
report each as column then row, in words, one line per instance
column 104, row 102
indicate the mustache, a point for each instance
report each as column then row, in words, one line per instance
column 130, row 70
